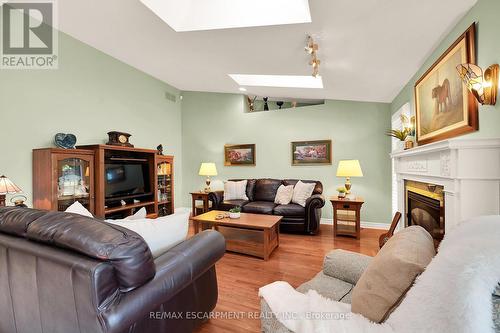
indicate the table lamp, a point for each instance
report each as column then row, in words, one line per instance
column 348, row 169
column 7, row 187
column 207, row 169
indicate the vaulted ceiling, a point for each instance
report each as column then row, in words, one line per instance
column 368, row 49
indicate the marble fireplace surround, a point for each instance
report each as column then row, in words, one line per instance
column 468, row 169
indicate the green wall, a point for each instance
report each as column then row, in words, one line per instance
column 90, row 94
column 486, row 15
column 210, row 120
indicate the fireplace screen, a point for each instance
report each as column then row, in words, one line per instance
column 426, row 212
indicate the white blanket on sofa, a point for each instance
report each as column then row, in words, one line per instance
column 452, row 295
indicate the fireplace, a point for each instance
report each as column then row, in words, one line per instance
column 425, row 207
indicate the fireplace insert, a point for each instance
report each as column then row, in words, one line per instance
column 426, row 212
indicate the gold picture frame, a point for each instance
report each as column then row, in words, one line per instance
column 318, row 152
column 239, row 155
column 444, row 106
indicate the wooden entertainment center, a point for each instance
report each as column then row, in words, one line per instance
column 110, row 181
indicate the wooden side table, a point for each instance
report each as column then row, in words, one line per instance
column 201, row 196
column 347, row 216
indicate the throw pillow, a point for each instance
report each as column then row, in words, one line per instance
column 235, row 190
column 284, row 195
column 391, row 273
column 160, row 234
column 302, row 192
column 77, row 208
column 140, row 214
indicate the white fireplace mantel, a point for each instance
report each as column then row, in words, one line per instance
column 468, row 169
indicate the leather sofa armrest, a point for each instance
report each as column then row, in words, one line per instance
column 217, row 197
column 175, row 270
column 315, row 201
column 345, row 265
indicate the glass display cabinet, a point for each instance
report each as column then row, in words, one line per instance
column 62, row 177
column 164, row 184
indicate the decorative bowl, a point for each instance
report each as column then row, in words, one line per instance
column 66, row 141
column 234, row 215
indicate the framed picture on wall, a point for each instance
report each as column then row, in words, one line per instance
column 312, row 152
column 239, row 155
column 444, row 106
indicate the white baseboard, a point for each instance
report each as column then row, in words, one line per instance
column 364, row 224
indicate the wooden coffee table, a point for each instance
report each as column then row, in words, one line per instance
column 253, row 234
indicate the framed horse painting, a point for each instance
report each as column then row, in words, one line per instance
column 444, row 106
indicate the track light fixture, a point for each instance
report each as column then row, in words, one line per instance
column 312, row 49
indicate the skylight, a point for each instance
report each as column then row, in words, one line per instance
column 285, row 81
column 193, row 15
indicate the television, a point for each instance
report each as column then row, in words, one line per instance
column 126, row 180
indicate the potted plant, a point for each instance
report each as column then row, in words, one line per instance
column 342, row 191
column 401, row 135
column 235, row 213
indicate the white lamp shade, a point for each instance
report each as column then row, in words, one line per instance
column 349, row 168
column 208, row 169
column 8, row 187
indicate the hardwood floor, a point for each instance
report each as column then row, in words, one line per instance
column 298, row 259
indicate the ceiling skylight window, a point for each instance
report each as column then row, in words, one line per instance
column 284, row 81
column 193, row 15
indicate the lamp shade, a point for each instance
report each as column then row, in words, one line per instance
column 349, row 168
column 7, row 186
column 208, row 169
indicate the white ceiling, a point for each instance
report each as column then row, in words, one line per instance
column 369, row 49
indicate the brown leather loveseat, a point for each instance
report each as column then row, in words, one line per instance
column 261, row 194
column 62, row 273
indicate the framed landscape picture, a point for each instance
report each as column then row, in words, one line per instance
column 312, row 152
column 239, row 154
column 444, row 107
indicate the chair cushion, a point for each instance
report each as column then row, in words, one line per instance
column 259, row 207
column 392, row 272
column 265, row 189
column 228, row 204
column 290, row 210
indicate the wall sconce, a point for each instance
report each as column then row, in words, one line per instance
column 483, row 86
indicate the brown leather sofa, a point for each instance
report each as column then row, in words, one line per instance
column 261, row 194
column 62, row 272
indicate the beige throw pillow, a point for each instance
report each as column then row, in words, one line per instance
column 284, row 195
column 302, row 192
column 235, row 190
column 392, row 272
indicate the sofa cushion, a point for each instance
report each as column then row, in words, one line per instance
column 250, row 187
column 392, row 272
column 318, row 187
column 284, row 195
column 326, row 286
column 162, row 233
column 235, row 190
column 228, row 204
column 259, row 207
column 290, row 210
column 265, row 189
column 302, row 192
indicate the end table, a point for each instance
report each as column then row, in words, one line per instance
column 346, row 216
column 201, row 196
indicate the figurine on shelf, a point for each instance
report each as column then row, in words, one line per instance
column 160, row 149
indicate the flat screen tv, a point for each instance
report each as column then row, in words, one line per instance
column 126, row 180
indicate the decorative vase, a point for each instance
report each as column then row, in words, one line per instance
column 234, row 215
column 341, row 195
